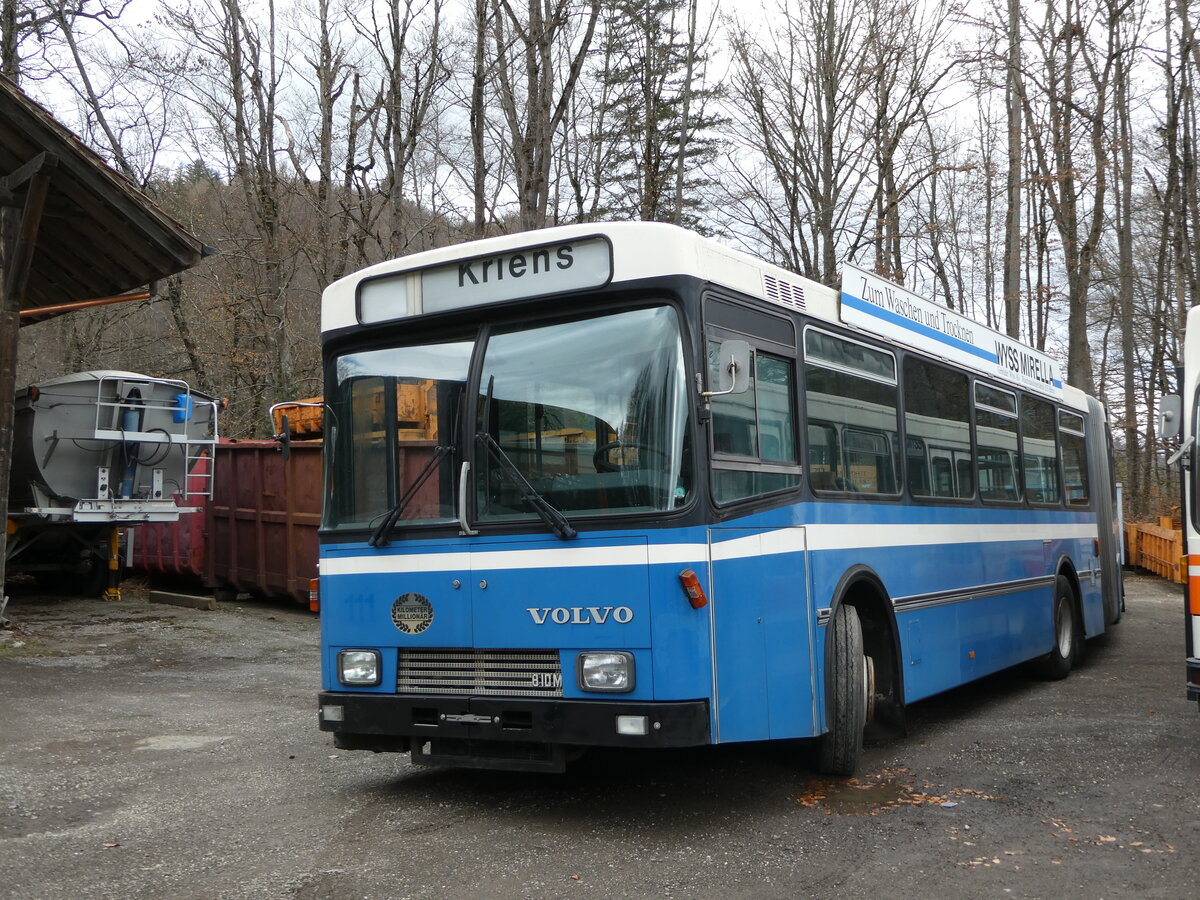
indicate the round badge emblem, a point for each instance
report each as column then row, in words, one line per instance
column 412, row 613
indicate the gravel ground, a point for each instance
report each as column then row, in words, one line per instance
column 155, row 751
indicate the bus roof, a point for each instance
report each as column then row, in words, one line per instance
column 574, row 258
column 636, row 250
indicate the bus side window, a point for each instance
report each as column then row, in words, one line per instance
column 1074, row 457
column 1039, row 451
column 937, row 412
column 851, row 388
column 753, row 433
column 996, row 445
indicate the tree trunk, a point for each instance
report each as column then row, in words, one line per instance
column 1012, row 217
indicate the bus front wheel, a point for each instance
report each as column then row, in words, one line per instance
column 1058, row 662
column 848, row 695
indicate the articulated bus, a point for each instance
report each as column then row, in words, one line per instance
column 619, row 486
column 1180, row 417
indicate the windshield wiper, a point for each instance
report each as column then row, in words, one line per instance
column 558, row 523
column 379, row 537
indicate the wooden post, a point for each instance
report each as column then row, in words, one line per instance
column 18, row 236
column 10, row 323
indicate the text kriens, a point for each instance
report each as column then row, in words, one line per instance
column 517, row 265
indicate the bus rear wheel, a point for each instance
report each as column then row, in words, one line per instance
column 1058, row 663
column 848, row 695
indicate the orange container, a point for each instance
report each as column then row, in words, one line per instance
column 305, row 422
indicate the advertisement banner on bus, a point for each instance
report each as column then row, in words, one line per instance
column 889, row 310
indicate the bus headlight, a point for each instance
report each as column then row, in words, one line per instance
column 606, row 671
column 359, row 667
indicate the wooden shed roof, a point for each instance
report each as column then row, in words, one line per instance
column 99, row 235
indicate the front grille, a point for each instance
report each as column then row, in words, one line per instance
column 479, row 673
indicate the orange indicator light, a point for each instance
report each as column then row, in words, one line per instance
column 691, row 587
column 1193, row 564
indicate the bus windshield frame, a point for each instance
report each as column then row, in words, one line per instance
column 591, row 412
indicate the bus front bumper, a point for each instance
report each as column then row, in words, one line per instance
column 1193, row 678
column 473, row 728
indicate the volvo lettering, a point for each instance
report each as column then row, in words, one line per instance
column 581, row 615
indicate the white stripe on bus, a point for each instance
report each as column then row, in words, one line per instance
column 819, row 537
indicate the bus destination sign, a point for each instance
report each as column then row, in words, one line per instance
column 515, row 275
column 532, row 272
column 888, row 310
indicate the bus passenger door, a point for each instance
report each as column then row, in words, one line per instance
column 762, row 638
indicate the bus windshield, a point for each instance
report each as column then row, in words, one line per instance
column 396, row 433
column 591, row 413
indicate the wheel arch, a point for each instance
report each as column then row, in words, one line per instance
column 862, row 588
column 1066, row 568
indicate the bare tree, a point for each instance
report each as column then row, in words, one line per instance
column 1076, row 53
column 1013, row 104
column 539, row 53
column 904, row 70
column 408, row 47
column 796, row 90
column 40, row 23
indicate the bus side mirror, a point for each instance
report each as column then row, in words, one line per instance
column 1170, row 417
column 733, row 369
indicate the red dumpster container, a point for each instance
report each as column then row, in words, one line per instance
column 262, row 519
column 174, row 548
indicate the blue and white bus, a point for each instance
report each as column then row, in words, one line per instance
column 619, row 486
column 1180, row 418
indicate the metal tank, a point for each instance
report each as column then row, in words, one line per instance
column 98, row 450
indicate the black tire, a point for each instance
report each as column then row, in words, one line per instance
column 88, row 580
column 95, row 581
column 1057, row 664
column 846, row 695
